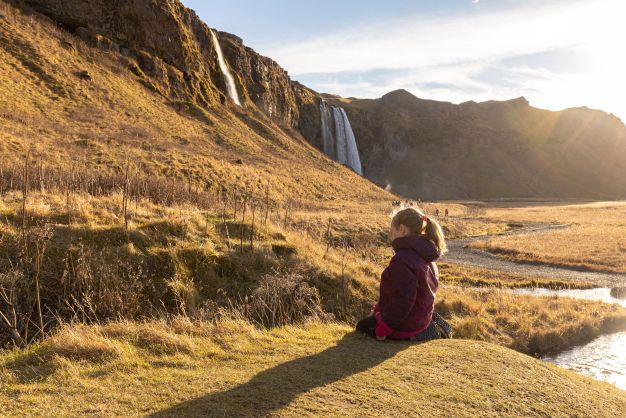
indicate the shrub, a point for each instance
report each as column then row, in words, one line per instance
column 282, row 299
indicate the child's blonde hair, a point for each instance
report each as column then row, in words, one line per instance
column 422, row 225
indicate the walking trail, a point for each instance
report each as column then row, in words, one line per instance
column 459, row 253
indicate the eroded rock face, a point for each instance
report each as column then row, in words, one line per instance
column 156, row 35
column 172, row 47
column 439, row 150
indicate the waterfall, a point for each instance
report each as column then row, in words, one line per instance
column 230, row 80
column 340, row 145
column 352, row 150
column 327, row 135
column 340, row 136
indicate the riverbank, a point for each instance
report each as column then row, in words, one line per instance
column 603, row 359
column 230, row 368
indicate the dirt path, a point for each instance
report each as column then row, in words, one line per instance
column 460, row 254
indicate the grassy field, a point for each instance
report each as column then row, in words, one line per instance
column 469, row 276
column 180, row 259
column 595, row 239
column 188, row 260
column 186, row 369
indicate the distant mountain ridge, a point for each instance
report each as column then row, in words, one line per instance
column 436, row 150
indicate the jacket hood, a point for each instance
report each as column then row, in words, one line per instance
column 423, row 247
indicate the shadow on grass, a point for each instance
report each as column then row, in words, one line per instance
column 275, row 388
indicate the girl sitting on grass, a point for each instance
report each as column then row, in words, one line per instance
column 405, row 308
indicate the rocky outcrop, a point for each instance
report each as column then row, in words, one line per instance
column 170, row 46
column 434, row 150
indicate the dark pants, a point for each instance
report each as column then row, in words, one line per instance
column 368, row 326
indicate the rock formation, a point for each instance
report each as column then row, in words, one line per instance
column 433, row 150
column 174, row 51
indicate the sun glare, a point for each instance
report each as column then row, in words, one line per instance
column 604, row 87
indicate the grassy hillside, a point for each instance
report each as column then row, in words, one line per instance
column 76, row 106
column 229, row 368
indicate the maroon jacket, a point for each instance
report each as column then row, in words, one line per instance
column 407, row 289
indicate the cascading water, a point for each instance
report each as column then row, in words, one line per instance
column 327, row 135
column 354, row 160
column 340, row 136
column 340, row 145
column 230, row 80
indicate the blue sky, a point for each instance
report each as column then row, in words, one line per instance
column 556, row 53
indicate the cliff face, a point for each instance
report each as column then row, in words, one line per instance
column 430, row 149
column 171, row 49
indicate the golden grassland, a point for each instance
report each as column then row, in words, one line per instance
column 189, row 366
column 527, row 324
column 594, row 240
column 190, row 369
column 469, row 276
column 189, row 254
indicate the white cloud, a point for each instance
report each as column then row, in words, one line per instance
column 453, row 51
column 417, row 41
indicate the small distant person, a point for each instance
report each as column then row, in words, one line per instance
column 406, row 304
column 437, row 212
column 446, row 213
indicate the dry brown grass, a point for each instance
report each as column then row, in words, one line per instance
column 596, row 239
column 195, row 266
column 532, row 325
column 183, row 231
column 79, row 342
column 313, row 369
column 155, row 336
column 468, row 276
column 128, row 367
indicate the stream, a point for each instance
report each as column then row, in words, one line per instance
column 604, row 358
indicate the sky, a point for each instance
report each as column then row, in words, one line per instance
column 556, row 53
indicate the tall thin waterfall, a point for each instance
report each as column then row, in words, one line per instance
column 340, row 145
column 327, row 135
column 354, row 160
column 341, row 141
column 230, row 80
